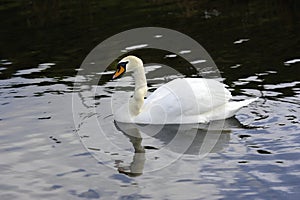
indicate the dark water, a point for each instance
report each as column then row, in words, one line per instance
column 45, row 155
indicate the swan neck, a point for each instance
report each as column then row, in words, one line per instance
column 139, row 77
column 137, row 101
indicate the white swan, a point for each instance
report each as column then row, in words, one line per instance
column 181, row 101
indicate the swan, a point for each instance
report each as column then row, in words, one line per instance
column 180, row 101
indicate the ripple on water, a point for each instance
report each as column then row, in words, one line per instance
column 281, row 85
column 290, row 62
column 240, row 41
column 40, row 68
column 89, row 194
column 262, row 159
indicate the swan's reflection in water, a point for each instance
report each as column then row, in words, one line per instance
column 191, row 139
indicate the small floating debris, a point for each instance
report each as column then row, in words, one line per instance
column 289, row 62
column 240, row 41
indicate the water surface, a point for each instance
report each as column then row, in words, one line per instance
column 44, row 154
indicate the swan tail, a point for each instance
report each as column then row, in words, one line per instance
column 234, row 106
column 227, row 110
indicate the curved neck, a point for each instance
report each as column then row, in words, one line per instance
column 137, row 101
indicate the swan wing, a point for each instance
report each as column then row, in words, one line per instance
column 183, row 100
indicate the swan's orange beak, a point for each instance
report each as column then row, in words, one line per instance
column 119, row 72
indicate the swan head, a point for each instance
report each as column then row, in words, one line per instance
column 127, row 64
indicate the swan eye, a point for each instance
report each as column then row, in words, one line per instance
column 122, row 64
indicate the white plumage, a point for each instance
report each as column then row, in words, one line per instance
column 181, row 101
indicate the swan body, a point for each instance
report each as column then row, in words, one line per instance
column 181, row 101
